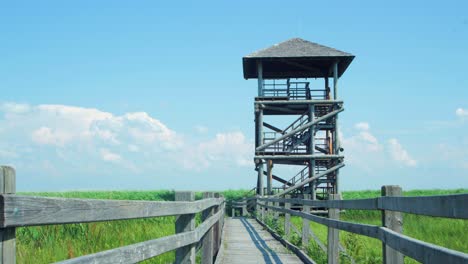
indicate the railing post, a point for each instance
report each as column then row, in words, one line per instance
column 287, row 218
column 276, row 204
column 7, row 235
column 305, row 223
column 394, row 221
column 233, row 211
column 207, row 241
column 257, row 207
column 216, row 228
column 333, row 234
column 244, row 208
column 263, row 209
column 185, row 223
column 221, row 222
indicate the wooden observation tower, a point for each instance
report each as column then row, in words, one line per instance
column 296, row 116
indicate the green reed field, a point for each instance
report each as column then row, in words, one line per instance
column 47, row 244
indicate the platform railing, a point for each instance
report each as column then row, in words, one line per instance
column 21, row 210
column 395, row 245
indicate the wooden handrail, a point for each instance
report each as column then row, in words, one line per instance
column 20, row 210
column 449, row 206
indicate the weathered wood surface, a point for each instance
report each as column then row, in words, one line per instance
column 392, row 220
column 416, row 249
column 333, row 247
column 450, row 206
column 185, row 223
column 7, row 235
column 208, row 239
column 245, row 241
column 32, row 210
column 305, row 223
column 148, row 249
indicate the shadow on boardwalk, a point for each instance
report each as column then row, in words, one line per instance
column 267, row 252
column 245, row 241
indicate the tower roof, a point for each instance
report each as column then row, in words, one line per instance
column 296, row 58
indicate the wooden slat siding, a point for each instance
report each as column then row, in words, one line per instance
column 7, row 235
column 394, row 221
column 207, row 241
column 185, row 223
column 333, row 249
column 32, row 210
column 148, row 249
column 450, row 206
column 399, row 242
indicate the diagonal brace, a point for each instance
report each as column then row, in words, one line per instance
column 299, row 129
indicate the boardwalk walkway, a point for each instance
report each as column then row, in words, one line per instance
column 245, row 241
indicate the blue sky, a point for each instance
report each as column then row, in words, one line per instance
column 150, row 95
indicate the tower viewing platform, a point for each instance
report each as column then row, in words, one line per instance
column 287, row 76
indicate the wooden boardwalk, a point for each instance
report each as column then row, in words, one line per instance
column 245, row 241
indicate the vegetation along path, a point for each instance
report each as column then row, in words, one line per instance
column 246, row 241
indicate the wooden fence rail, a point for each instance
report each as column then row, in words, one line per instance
column 394, row 244
column 19, row 210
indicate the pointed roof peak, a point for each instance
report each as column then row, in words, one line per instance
column 296, row 58
column 296, row 48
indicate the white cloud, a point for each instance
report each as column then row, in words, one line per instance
column 362, row 126
column 7, row 154
column 46, row 136
column 363, row 150
column 107, row 155
column 61, row 125
column 133, row 148
column 364, row 140
column 461, row 112
column 85, row 137
column 15, row 108
column 201, row 129
column 225, row 148
column 399, row 154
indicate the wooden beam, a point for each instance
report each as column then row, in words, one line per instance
column 305, row 223
column 145, row 250
column 207, row 241
column 301, row 128
column 287, row 218
column 265, row 124
column 333, row 251
column 421, row 251
column 7, row 235
column 185, row 223
column 32, row 210
column 394, row 221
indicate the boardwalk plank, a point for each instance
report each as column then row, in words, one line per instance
column 245, row 241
